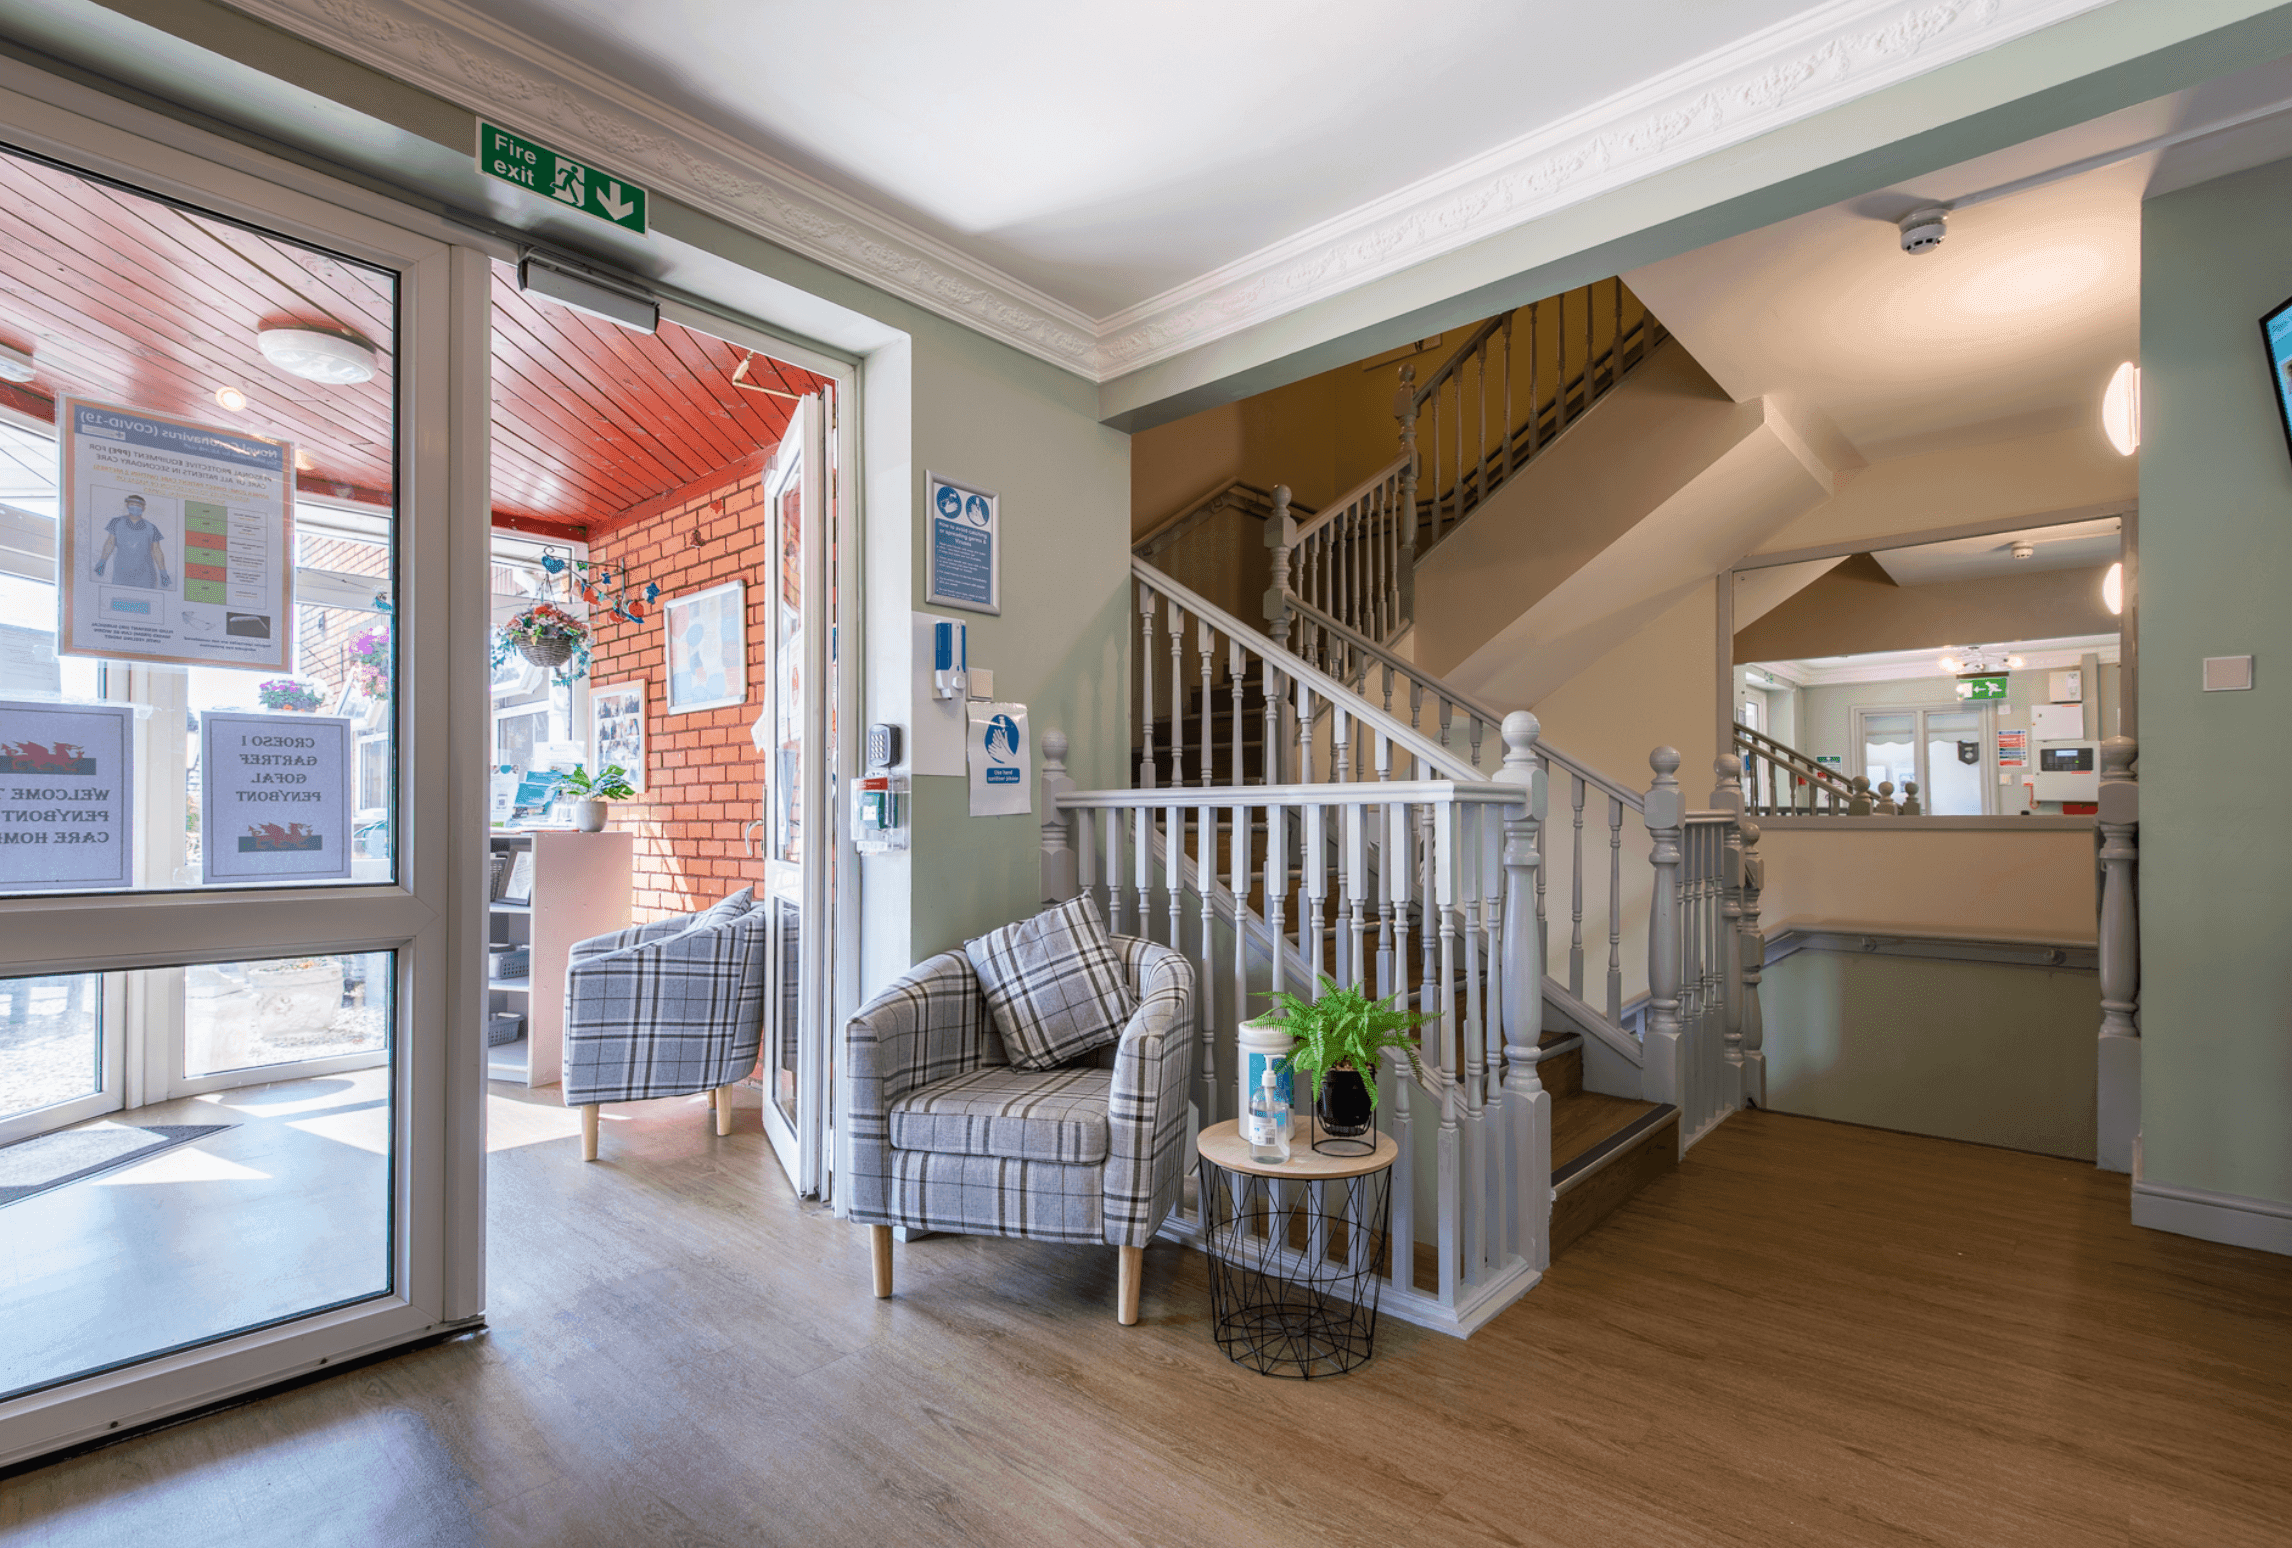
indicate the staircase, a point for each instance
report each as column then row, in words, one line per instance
column 1330, row 809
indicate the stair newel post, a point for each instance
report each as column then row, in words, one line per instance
column 1665, row 814
column 1753, row 955
column 1729, row 966
column 1405, row 410
column 2118, row 1115
column 1061, row 877
column 1281, row 537
column 1858, row 804
column 1147, row 601
column 1385, row 858
column 1449, row 1191
column 1528, row 1105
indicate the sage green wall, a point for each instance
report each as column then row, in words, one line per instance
column 1981, row 1051
column 2216, row 554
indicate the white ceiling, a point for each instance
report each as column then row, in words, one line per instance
column 1107, row 186
column 2076, row 545
column 1893, row 666
column 1103, row 154
column 2011, row 327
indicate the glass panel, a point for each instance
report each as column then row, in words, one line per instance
column 783, row 1010
column 788, row 678
column 1954, row 763
column 51, row 1044
column 181, row 1222
column 1889, row 749
column 245, row 1016
column 196, row 549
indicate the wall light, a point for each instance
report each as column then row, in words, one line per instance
column 2121, row 410
column 2113, row 589
column 231, row 398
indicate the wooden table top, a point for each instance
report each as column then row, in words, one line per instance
column 1223, row 1143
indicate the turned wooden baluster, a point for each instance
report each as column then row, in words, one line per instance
column 1529, row 1167
column 1061, row 877
column 1664, row 813
column 1753, row 952
column 1727, row 955
column 2118, row 1115
column 1281, row 537
column 1148, row 600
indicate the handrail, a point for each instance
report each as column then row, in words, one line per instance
column 1474, row 707
column 1348, row 499
column 1455, row 362
column 1796, row 763
column 1256, row 502
column 1426, row 751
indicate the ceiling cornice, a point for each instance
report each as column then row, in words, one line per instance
column 1830, row 54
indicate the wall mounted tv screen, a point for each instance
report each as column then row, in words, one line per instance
column 2276, row 333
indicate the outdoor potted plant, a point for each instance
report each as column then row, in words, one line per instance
column 286, row 693
column 591, row 792
column 1339, row 1037
column 544, row 634
column 370, row 661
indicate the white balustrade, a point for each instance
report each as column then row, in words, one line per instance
column 2118, row 1114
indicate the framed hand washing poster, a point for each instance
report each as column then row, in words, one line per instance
column 965, row 552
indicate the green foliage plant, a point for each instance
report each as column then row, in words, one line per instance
column 1345, row 1029
column 611, row 783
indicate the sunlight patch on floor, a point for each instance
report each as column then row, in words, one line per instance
column 185, row 1164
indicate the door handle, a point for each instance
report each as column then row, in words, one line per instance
column 748, row 838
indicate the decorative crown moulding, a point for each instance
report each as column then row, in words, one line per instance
column 1831, row 54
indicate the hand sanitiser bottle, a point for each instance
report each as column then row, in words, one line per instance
column 1268, row 1123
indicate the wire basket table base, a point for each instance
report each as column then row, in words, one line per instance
column 1295, row 1267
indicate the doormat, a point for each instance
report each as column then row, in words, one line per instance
column 48, row 1161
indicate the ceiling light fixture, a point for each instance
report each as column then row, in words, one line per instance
column 2113, row 589
column 2121, row 410
column 316, row 355
column 16, row 364
column 1978, row 660
column 231, row 398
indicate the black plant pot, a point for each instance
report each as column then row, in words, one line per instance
column 1343, row 1106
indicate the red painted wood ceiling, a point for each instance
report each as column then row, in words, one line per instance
column 131, row 300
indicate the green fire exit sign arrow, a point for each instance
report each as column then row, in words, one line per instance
column 554, row 175
column 1987, row 686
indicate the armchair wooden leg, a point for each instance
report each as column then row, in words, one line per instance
column 589, row 1131
column 722, row 1096
column 1133, row 1273
column 879, row 1242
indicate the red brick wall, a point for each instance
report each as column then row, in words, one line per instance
column 703, row 778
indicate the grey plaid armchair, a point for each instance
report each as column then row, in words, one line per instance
column 947, row 1136
column 671, row 1008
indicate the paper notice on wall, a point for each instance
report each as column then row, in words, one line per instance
column 274, row 797
column 1002, row 763
column 66, row 819
column 177, row 540
column 2013, row 749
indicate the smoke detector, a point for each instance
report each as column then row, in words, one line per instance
column 2024, row 550
column 1923, row 230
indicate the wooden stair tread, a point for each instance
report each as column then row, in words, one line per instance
column 1582, row 1119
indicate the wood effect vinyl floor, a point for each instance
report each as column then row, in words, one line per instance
column 1808, row 1334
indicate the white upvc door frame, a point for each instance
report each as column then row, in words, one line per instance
column 432, row 917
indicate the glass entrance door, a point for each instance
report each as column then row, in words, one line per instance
column 1944, row 751
column 797, row 734
column 227, row 1147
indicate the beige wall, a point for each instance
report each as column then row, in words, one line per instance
column 1858, row 607
column 1985, row 882
column 2034, row 475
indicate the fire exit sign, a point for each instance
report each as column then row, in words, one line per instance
column 554, row 175
column 1985, row 687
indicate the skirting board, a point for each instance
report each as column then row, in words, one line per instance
column 2214, row 1217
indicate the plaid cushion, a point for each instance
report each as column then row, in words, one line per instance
column 996, row 1196
column 1059, row 1115
column 1054, row 984
column 668, row 1016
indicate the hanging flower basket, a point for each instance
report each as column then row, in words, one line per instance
column 548, row 636
column 285, row 693
column 370, row 662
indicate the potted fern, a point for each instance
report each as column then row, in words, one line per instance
column 591, row 792
column 1339, row 1037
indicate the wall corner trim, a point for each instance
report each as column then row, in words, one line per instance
column 2215, row 1217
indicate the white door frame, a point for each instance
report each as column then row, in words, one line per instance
column 1918, row 714
column 432, row 916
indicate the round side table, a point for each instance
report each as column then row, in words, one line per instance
column 1297, row 1251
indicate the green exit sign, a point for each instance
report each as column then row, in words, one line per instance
column 576, row 185
column 1986, row 687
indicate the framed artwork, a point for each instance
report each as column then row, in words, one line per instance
column 705, row 636
column 617, row 729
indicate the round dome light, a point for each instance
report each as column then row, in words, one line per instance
column 2121, row 410
column 316, row 355
column 2113, row 588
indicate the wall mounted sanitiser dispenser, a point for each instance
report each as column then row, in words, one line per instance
column 950, row 659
